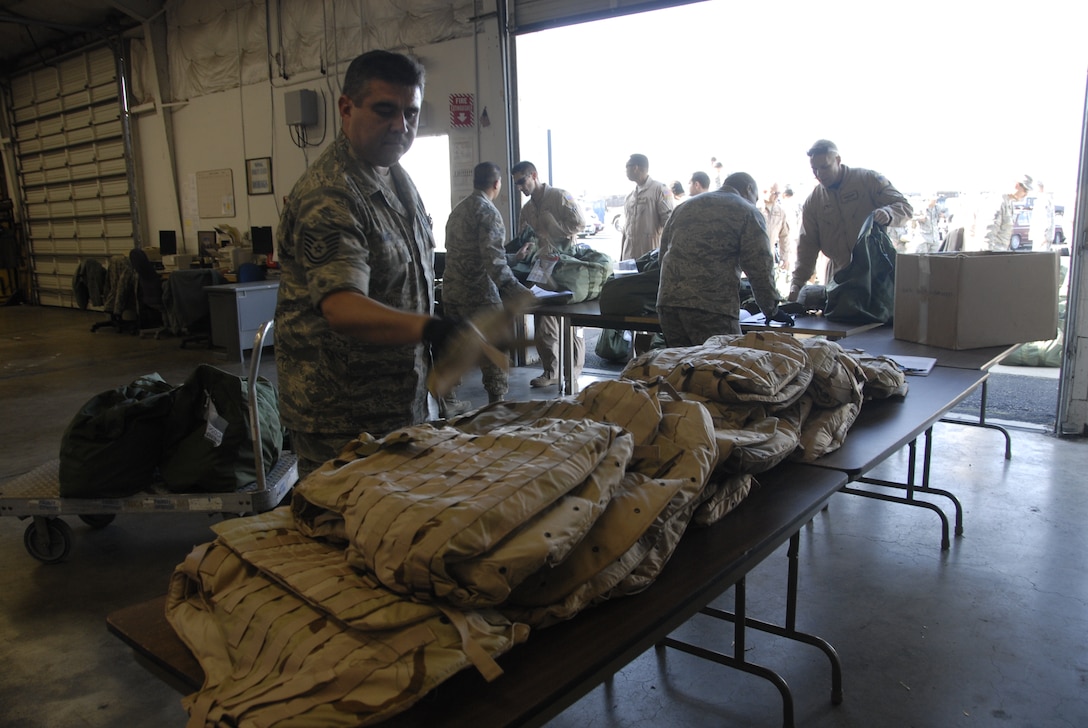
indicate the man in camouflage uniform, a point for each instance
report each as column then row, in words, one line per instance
column 477, row 275
column 556, row 219
column 706, row 243
column 994, row 229
column 645, row 210
column 353, row 319
column 835, row 210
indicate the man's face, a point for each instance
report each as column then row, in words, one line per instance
column 1020, row 192
column 634, row 172
column 827, row 168
column 770, row 194
column 694, row 188
column 382, row 126
column 527, row 182
column 750, row 193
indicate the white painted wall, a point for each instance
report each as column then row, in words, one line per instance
column 222, row 130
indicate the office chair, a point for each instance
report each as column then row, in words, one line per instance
column 149, row 305
column 250, row 272
column 119, row 300
column 186, row 306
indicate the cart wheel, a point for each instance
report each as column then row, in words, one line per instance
column 97, row 520
column 48, row 540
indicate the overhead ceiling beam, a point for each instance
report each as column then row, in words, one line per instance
column 6, row 17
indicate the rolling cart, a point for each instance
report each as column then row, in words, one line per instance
column 36, row 494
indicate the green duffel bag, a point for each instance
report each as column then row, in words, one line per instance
column 112, row 447
column 208, row 447
column 583, row 272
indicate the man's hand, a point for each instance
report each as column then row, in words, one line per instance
column 881, row 216
column 524, row 252
column 439, row 332
column 781, row 318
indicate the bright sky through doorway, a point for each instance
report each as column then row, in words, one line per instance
column 937, row 95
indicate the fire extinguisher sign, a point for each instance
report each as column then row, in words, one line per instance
column 461, row 110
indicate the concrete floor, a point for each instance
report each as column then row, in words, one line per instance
column 992, row 632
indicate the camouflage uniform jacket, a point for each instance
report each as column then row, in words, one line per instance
column 645, row 212
column 998, row 232
column 555, row 218
column 342, row 229
column 706, row 244
column 476, row 268
column 831, row 219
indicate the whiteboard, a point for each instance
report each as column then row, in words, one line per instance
column 215, row 193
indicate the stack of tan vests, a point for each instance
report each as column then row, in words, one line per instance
column 435, row 548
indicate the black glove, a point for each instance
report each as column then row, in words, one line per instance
column 438, row 332
column 781, row 318
column 792, row 307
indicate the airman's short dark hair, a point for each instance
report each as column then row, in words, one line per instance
column 395, row 68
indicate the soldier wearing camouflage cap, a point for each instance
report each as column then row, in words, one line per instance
column 354, row 330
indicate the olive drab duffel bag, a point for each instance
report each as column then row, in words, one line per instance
column 208, row 446
column 112, row 446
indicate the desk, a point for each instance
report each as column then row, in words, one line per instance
column 882, row 341
column 561, row 664
column 588, row 313
column 238, row 310
column 884, row 426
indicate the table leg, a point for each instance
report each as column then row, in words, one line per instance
column 983, row 423
column 568, row 383
column 911, row 489
column 741, row 622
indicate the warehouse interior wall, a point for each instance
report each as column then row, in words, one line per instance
column 226, row 99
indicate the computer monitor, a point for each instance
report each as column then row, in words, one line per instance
column 262, row 240
column 168, row 242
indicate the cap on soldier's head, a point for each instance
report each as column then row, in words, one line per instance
column 1025, row 181
column 822, row 146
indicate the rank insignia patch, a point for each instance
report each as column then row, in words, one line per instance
column 320, row 250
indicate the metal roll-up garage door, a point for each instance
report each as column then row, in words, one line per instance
column 70, row 158
column 534, row 15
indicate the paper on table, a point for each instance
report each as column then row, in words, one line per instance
column 752, row 318
column 556, row 296
column 918, row 366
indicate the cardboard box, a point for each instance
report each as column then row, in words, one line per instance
column 975, row 300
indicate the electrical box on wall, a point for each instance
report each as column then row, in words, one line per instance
column 300, row 107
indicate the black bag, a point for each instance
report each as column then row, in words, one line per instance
column 112, row 447
column 209, row 447
column 864, row 291
column 634, row 294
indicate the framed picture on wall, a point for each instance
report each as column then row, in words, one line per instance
column 259, row 176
